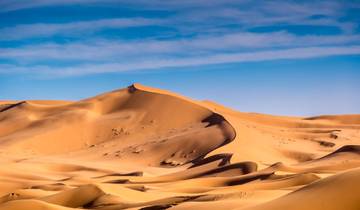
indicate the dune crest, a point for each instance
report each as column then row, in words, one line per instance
column 144, row 148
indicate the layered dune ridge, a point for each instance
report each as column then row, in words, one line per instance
column 145, row 148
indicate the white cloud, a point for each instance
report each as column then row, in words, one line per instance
column 188, row 16
column 14, row 5
column 79, row 28
column 109, row 51
column 296, row 53
column 211, row 40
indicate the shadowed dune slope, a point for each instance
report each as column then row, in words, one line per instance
column 144, row 121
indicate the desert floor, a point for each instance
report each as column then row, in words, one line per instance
column 145, row 148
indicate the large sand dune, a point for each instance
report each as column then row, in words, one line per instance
column 144, row 148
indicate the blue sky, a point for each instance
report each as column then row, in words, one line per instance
column 277, row 57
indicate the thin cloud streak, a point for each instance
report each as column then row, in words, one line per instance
column 85, row 69
column 205, row 32
column 105, row 50
column 188, row 14
column 14, row 5
column 73, row 28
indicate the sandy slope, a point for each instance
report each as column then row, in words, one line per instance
column 141, row 147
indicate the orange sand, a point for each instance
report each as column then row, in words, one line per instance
column 145, row 148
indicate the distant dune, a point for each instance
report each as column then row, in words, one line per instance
column 145, row 148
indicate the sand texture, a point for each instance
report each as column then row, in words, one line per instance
column 145, row 148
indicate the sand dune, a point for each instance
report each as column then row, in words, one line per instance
column 145, row 148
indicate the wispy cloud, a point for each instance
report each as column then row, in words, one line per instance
column 296, row 53
column 106, row 50
column 189, row 16
column 72, row 28
column 206, row 32
column 20, row 4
